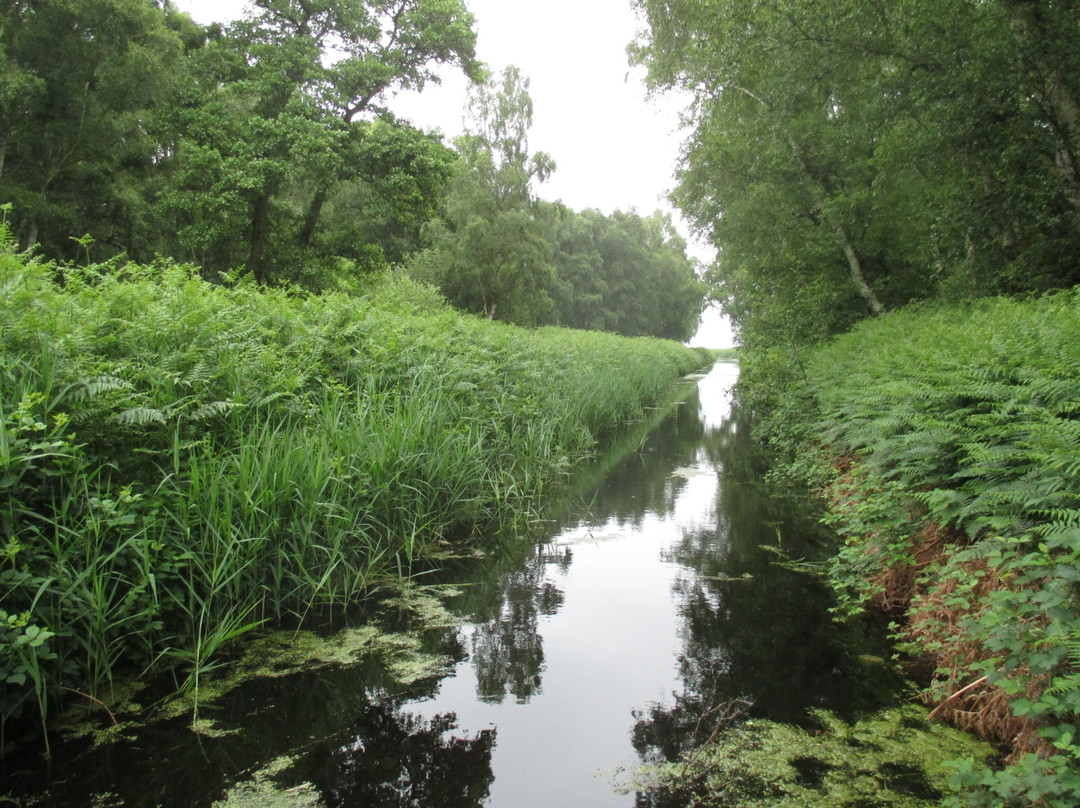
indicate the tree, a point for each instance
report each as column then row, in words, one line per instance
column 413, row 37
column 489, row 255
column 401, row 177
column 79, row 85
column 853, row 158
column 286, row 93
column 623, row 273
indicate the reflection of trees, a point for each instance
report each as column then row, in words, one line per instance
column 507, row 648
column 348, row 737
column 641, row 483
column 751, row 627
column 511, row 592
column 396, row 758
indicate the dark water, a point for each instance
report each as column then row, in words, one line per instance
column 653, row 599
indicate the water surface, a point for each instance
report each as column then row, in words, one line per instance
column 653, row 598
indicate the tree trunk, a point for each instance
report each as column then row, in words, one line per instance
column 260, row 233
column 1057, row 97
column 312, row 219
column 1067, row 127
column 28, row 232
column 855, row 263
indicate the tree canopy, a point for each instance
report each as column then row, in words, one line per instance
column 846, row 159
column 268, row 146
column 489, row 255
column 502, row 253
column 220, row 145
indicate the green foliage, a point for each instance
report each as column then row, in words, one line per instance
column 223, row 145
column 490, row 256
column 80, row 86
column 180, row 460
column 623, row 273
column 24, row 655
column 401, row 181
column 964, row 418
column 845, row 160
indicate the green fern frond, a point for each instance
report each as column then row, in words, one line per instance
column 1070, row 682
column 214, row 409
column 140, row 416
column 103, row 384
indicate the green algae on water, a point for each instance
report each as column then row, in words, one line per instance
column 421, row 606
column 261, row 790
column 894, row 758
column 405, row 660
column 277, row 654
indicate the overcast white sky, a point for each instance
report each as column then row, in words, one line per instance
column 613, row 148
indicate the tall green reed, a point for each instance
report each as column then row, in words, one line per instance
column 181, row 461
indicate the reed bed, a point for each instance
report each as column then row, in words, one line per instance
column 182, row 461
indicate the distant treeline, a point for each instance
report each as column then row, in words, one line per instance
column 268, row 146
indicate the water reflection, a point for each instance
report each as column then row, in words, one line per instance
column 753, row 629
column 325, row 735
column 653, row 600
column 397, row 759
column 507, row 649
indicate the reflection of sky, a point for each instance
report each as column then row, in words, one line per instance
column 715, row 392
column 610, row 649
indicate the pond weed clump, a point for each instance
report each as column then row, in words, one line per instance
column 890, row 759
column 182, row 462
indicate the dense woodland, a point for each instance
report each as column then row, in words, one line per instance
column 892, row 188
column 848, row 158
column 268, row 146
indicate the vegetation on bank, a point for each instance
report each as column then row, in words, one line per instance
column 180, row 461
column 946, row 442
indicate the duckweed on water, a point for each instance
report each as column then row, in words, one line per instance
column 209, row 728
column 891, row 759
column 421, row 605
column 282, row 653
column 260, row 791
column 278, row 654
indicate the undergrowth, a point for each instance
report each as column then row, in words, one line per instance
column 181, row 461
column 953, row 437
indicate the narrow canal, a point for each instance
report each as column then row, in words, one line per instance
column 655, row 596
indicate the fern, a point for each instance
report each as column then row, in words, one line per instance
column 103, row 384
column 214, row 409
column 140, row 416
column 1069, row 682
column 968, row 416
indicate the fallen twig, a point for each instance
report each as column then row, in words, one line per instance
column 960, row 692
